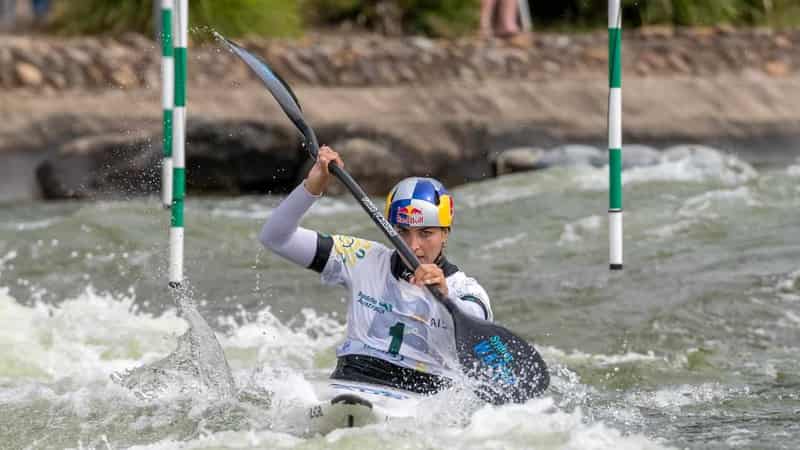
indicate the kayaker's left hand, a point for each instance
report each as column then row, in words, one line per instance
column 430, row 274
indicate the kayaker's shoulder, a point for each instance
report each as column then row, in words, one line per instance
column 356, row 248
column 464, row 285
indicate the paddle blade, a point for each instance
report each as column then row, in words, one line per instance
column 506, row 367
column 281, row 91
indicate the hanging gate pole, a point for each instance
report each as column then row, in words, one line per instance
column 179, row 145
column 615, row 134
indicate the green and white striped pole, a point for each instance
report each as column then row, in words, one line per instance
column 167, row 98
column 615, row 134
column 178, row 145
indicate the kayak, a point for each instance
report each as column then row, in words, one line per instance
column 348, row 404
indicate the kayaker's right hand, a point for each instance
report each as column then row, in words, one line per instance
column 319, row 176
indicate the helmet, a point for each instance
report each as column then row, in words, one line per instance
column 419, row 202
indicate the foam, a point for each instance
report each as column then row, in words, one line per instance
column 88, row 337
column 684, row 164
column 573, row 231
column 75, row 346
column 704, row 208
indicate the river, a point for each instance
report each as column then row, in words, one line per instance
column 693, row 345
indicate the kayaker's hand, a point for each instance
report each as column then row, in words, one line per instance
column 430, row 274
column 319, row 176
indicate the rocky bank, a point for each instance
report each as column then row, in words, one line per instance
column 80, row 118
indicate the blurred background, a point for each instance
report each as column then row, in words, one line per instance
column 443, row 87
column 276, row 18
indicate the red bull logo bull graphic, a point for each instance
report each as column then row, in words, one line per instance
column 409, row 215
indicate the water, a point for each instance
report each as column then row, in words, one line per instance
column 693, row 345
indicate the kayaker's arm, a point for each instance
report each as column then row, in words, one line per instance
column 282, row 233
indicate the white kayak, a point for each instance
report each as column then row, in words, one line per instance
column 347, row 404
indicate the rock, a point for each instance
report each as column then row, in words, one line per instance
column 124, row 76
column 242, row 156
column 101, row 165
column 28, row 74
column 657, row 31
column 783, row 42
column 299, row 69
column 96, row 75
column 653, row 59
column 678, row 63
column 551, row 67
column 351, row 59
column 227, row 157
column 6, row 68
column 598, row 53
column 777, row 69
column 518, row 159
column 700, row 32
column 422, row 43
column 521, row 40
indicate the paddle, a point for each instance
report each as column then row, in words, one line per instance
column 506, row 367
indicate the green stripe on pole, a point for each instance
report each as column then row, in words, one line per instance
column 167, row 138
column 177, row 213
column 178, row 183
column 180, row 76
column 615, row 178
column 615, row 55
column 166, row 32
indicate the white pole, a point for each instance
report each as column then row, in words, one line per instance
column 178, row 145
column 167, row 99
column 615, row 134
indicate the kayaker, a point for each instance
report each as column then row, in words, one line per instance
column 398, row 334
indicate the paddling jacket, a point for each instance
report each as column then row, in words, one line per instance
column 387, row 317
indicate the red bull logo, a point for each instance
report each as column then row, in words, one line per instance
column 409, row 215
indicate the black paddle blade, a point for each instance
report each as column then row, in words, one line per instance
column 506, row 367
column 281, row 91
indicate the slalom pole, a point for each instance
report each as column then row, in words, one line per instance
column 167, row 99
column 178, row 145
column 615, row 134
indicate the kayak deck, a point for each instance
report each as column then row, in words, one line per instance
column 347, row 404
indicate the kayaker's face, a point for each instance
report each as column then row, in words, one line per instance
column 426, row 242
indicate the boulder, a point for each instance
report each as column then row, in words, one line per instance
column 518, row 159
column 222, row 157
column 100, row 165
column 29, row 75
column 242, row 156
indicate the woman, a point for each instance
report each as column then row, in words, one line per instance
column 398, row 334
